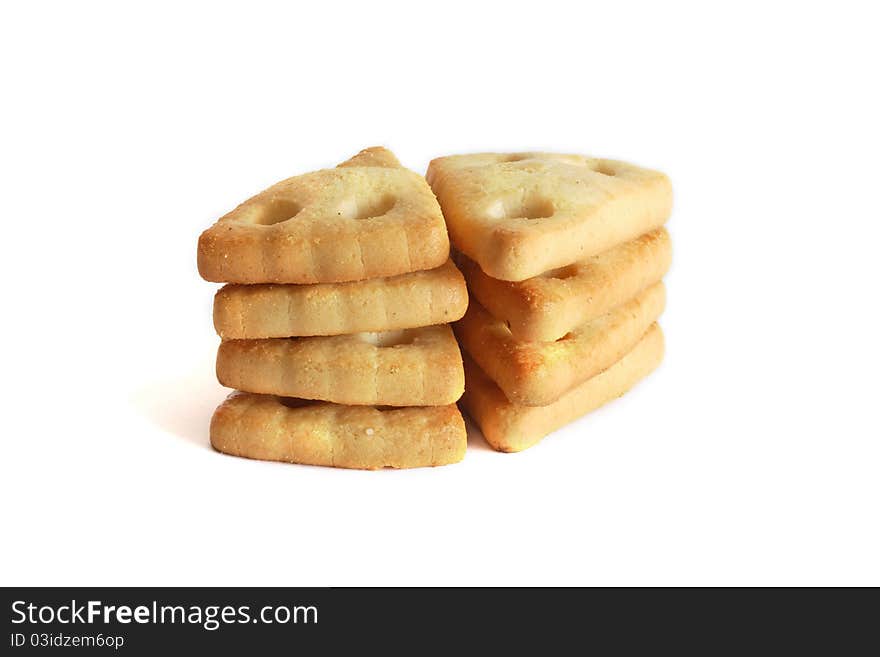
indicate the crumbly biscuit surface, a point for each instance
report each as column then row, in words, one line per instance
column 367, row 218
column 270, row 428
column 412, row 367
column 539, row 373
column 422, row 298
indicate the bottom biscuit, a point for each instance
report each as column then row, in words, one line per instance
column 509, row 427
column 319, row 433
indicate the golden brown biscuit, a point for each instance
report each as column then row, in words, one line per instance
column 274, row 429
column 546, row 307
column 413, row 367
column 511, row 428
column 539, row 373
column 364, row 219
column 519, row 215
column 421, row 298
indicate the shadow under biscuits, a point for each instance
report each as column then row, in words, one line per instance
column 182, row 406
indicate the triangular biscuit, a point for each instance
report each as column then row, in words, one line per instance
column 318, row 433
column 509, row 427
column 539, row 373
column 547, row 307
column 519, row 215
column 420, row 298
column 367, row 218
column 410, row 367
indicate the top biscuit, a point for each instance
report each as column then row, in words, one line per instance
column 367, row 218
column 519, row 215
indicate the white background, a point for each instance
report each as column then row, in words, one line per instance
column 750, row 457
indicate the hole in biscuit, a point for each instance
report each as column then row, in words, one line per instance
column 276, row 211
column 365, row 208
column 388, row 338
column 529, row 206
column 562, row 273
column 537, row 207
column 545, row 157
column 604, row 169
column 516, row 157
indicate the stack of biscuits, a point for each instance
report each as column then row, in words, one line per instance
column 334, row 321
column 564, row 258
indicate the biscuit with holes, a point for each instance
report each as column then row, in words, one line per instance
column 318, row 433
column 519, row 215
column 546, row 307
column 367, row 218
column 422, row 298
column 508, row 427
column 412, row 367
column 539, row 373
